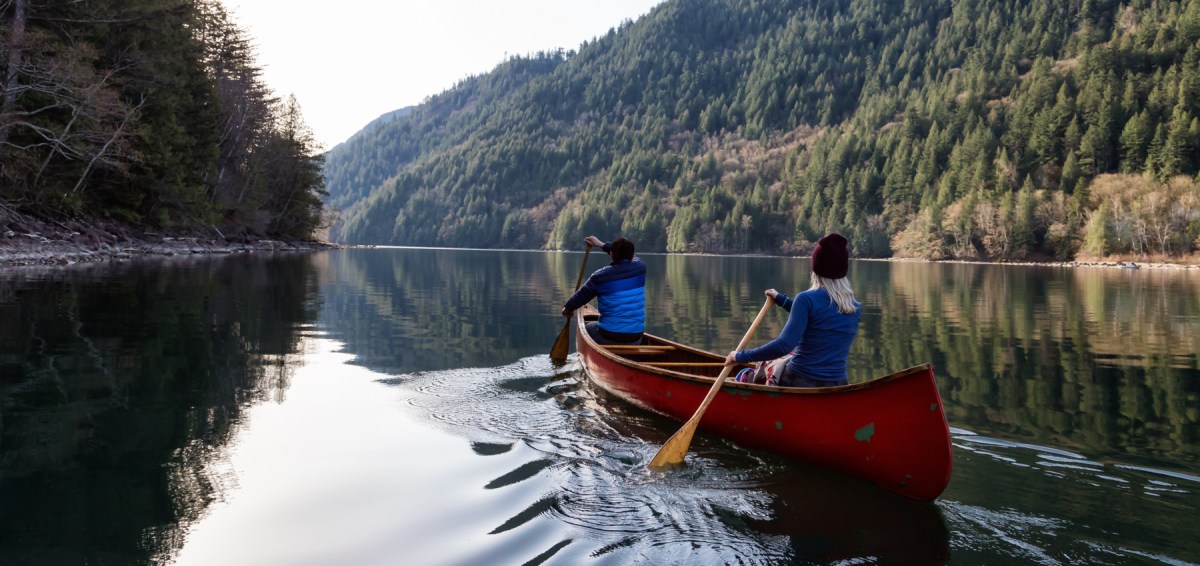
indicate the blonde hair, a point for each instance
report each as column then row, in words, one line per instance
column 839, row 292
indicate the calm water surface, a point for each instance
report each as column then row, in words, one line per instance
column 397, row 406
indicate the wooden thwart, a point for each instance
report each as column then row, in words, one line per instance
column 635, row 347
column 678, row 364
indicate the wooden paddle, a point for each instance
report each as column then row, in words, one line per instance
column 562, row 344
column 676, row 447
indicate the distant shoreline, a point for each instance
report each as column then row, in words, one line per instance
column 29, row 243
column 33, row 243
column 1108, row 264
column 1116, row 263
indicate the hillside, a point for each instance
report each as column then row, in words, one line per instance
column 985, row 128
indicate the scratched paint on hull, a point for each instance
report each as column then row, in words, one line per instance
column 865, row 433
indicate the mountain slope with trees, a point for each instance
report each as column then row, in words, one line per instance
column 964, row 128
column 150, row 114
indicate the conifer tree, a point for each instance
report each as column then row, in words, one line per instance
column 1135, row 137
column 1023, row 236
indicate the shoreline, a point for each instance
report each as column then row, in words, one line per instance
column 1114, row 263
column 37, row 250
column 1100, row 263
column 26, row 242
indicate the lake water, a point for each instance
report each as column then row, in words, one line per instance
column 397, row 406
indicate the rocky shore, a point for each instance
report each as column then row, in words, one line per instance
column 29, row 242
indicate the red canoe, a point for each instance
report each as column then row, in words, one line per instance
column 890, row 431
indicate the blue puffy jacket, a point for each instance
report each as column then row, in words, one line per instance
column 621, row 288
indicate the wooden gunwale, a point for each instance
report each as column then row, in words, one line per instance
column 610, row 352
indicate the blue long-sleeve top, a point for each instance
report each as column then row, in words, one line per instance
column 816, row 332
column 621, row 288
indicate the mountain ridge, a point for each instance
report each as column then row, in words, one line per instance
column 719, row 126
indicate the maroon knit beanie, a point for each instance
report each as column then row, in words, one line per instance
column 831, row 258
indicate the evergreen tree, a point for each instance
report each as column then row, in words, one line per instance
column 1135, row 139
column 1023, row 236
column 1173, row 153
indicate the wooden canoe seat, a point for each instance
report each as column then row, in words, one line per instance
column 633, row 349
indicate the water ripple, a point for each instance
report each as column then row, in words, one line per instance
column 1063, row 464
column 1009, row 527
column 596, row 456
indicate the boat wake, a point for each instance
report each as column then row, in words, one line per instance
column 1077, row 468
column 1091, row 500
column 594, row 452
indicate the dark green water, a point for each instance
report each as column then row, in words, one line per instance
column 397, row 406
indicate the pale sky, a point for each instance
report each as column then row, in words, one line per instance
column 349, row 61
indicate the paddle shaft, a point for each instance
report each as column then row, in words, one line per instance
column 562, row 343
column 676, row 447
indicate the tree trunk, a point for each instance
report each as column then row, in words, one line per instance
column 8, row 97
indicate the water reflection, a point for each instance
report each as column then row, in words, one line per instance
column 419, row 309
column 270, row 411
column 1088, row 359
column 109, row 375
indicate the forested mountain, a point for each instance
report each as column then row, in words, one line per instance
column 940, row 128
column 372, row 125
column 148, row 113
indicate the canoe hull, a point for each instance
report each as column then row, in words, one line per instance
column 890, row 431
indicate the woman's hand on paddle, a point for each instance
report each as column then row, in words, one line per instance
column 566, row 313
column 594, row 242
column 772, row 293
column 731, row 359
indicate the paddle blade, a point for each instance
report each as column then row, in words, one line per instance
column 675, row 448
column 562, row 345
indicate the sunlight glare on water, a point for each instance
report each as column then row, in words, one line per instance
column 335, row 472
